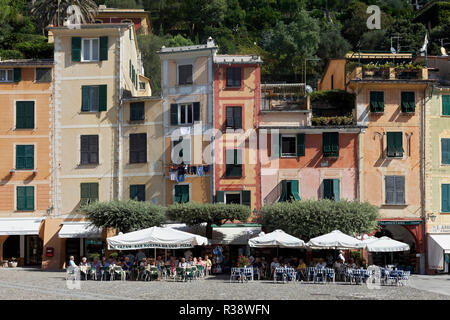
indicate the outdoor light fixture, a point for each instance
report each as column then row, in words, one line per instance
column 12, row 171
column 431, row 217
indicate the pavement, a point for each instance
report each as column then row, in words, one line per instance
column 36, row 284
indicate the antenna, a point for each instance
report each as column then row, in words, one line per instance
column 398, row 43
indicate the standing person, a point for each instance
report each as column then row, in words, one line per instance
column 140, row 255
column 341, row 256
column 208, row 264
column 187, row 254
column 131, row 258
column 274, row 265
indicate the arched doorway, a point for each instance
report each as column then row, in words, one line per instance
column 404, row 259
column 11, row 248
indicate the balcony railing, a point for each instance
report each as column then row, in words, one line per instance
column 391, row 73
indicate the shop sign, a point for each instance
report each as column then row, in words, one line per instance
column 402, row 222
column 441, row 228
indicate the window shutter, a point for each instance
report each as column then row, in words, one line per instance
column 275, row 145
column 399, row 142
column 102, row 97
column 29, row 196
column 238, row 162
column 294, row 189
column 399, row 189
column 29, row 156
column 326, row 143
column 20, row 115
column 174, row 114
column 103, row 48
column 336, row 190
column 446, row 105
column 335, row 143
column 76, row 49
column 390, row 189
column 220, row 196
column 25, row 114
column 300, row 145
column 246, row 197
column 94, row 191
column 84, row 192
column 445, row 195
column 20, row 157
column 177, row 195
column 196, row 111
column 21, row 201
column 283, row 196
column 445, row 152
column 17, row 74
column 327, row 189
column 184, row 193
column 230, row 117
column 85, row 98
column 237, row 117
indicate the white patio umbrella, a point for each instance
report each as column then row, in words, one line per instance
column 155, row 238
column 386, row 244
column 277, row 238
column 335, row 240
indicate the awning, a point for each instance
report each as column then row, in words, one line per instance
column 20, row 226
column 79, row 229
column 438, row 244
column 234, row 234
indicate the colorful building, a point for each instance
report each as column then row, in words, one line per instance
column 301, row 161
column 187, row 81
column 236, row 114
column 139, row 17
column 437, row 165
column 26, row 91
column 390, row 102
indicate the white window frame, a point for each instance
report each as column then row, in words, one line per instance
column 34, row 156
column 288, row 155
column 6, row 72
column 232, row 192
column 187, row 105
column 91, row 49
column 145, row 86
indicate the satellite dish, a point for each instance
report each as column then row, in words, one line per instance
column 444, row 52
column 393, row 50
column 308, row 89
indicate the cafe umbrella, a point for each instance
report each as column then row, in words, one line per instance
column 278, row 239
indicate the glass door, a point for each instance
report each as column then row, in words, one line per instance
column 33, row 251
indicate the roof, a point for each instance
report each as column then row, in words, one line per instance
column 186, row 48
column 117, row 10
column 237, row 59
column 27, row 62
column 95, row 26
column 399, row 81
column 377, row 55
column 144, row 98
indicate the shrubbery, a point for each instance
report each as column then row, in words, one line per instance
column 332, row 121
column 126, row 216
column 310, row 218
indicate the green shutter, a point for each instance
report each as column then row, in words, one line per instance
column 300, row 145
column 25, row 114
column 94, row 191
column 283, row 196
column 25, row 157
column 103, row 48
column 181, row 194
column 408, row 101
column 275, row 145
column 336, row 190
column 174, row 114
column 25, row 198
column 328, row 189
column 220, row 196
column 445, row 151
column 102, row 97
column 246, row 197
column 17, row 74
column 20, row 157
column 445, row 194
column 330, row 144
column 85, row 98
column 29, row 196
column 196, row 111
column 294, row 189
column 446, row 105
column 130, row 69
column 20, row 197
column 395, row 144
column 376, row 101
column 76, row 49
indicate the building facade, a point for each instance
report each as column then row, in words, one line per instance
column 26, row 92
column 237, row 82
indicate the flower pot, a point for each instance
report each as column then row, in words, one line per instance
column 5, row 264
column 12, row 264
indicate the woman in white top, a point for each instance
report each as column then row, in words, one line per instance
column 183, row 263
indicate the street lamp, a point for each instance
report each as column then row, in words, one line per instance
column 309, row 59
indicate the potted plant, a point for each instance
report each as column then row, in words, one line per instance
column 13, row 263
column 243, row 261
column 5, row 263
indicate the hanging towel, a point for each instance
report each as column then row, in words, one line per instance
column 200, row 171
column 206, row 169
column 173, row 175
column 181, row 177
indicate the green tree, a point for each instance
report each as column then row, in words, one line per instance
column 332, row 44
column 55, row 12
column 203, row 13
column 211, row 213
column 311, row 218
column 125, row 216
column 412, row 35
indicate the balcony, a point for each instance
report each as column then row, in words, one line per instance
column 284, row 97
column 399, row 72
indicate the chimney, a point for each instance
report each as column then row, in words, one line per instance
column 210, row 43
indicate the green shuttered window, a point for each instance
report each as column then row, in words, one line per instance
column 76, row 49
column 89, row 193
column 395, row 144
column 446, row 105
column 395, row 189
column 25, row 157
column 17, row 74
column 233, row 77
column 445, row 151
column 89, row 149
column 25, row 198
column 408, row 101
column 330, row 144
column 138, row 148
column 25, row 115
column 137, row 111
column 181, row 193
column 233, row 163
column 243, row 197
column 234, row 117
column 376, row 101
column 103, row 48
column 300, row 144
column 137, row 192
column 94, row 98
column 289, row 190
column 331, row 189
column 445, row 196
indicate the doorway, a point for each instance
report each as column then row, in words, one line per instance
column 11, row 248
column 33, row 250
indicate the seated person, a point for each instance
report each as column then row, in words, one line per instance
column 274, row 265
column 97, row 265
column 321, row 264
column 300, row 270
column 127, row 265
column 190, row 261
column 352, row 264
column 182, row 263
column 259, row 267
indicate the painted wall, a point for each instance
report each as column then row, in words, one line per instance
column 334, row 75
column 246, row 97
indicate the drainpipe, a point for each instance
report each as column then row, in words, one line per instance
column 120, row 119
column 423, row 134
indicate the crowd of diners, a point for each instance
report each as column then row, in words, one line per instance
column 138, row 265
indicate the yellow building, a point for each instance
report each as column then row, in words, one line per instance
column 187, row 91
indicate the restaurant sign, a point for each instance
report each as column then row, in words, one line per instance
column 441, row 228
column 401, row 222
column 149, row 246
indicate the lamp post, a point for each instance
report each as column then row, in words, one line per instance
column 309, row 59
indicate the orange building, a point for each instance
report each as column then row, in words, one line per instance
column 237, row 82
column 25, row 165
